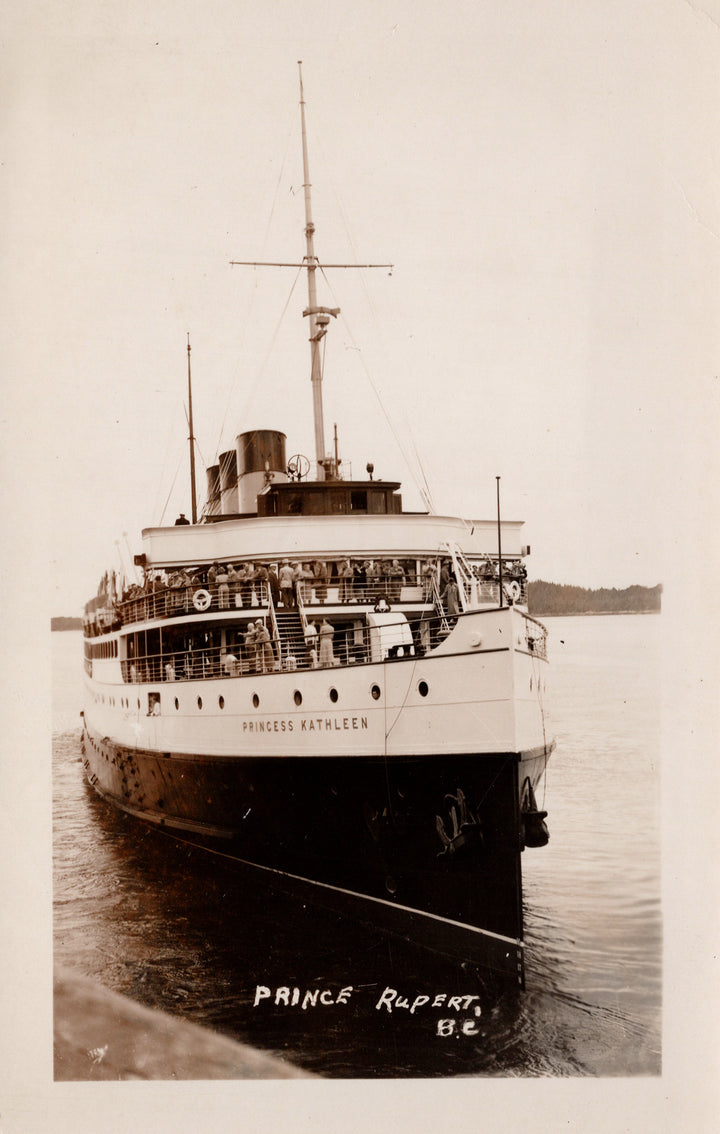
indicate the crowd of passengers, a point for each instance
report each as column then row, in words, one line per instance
column 253, row 651
column 248, row 585
column 362, row 581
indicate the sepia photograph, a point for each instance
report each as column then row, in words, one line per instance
column 362, row 408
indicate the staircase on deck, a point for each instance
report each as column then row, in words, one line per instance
column 291, row 639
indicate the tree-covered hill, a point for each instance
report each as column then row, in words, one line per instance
column 64, row 623
column 556, row 598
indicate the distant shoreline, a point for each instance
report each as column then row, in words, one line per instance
column 546, row 599
column 588, row 613
column 63, row 623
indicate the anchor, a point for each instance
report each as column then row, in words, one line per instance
column 465, row 826
column 534, row 828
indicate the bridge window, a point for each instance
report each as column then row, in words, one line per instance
column 358, row 500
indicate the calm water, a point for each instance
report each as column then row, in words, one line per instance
column 150, row 918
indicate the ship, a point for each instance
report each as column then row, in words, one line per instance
column 347, row 696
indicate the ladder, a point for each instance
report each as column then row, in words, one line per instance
column 467, row 581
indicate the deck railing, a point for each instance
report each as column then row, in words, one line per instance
column 180, row 602
column 352, row 645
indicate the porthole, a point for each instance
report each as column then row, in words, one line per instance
column 334, row 695
column 375, row 691
column 221, row 701
column 177, row 703
column 297, row 697
column 423, row 689
column 256, row 700
column 199, row 702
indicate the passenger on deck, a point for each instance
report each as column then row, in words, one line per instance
column 488, row 569
column 261, row 582
column 320, row 575
column 251, row 647
column 229, row 664
column 250, row 581
column 373, row 580
column 274, row 584
column 450, row 598
column 234, row 582
column 265, row 655
column 427, row 575
column 326, row 634
column 396, row 577
column 223, row 587
column 346, row 580
column 311, row 637
column 359, row 581
column 303, row 576
column 286, row 584
column 240, row 584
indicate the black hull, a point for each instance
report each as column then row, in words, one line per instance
column 426, row 846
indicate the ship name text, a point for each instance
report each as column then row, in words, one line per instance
column 307, row 724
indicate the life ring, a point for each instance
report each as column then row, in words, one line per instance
column 202, row 599
column 513, row 590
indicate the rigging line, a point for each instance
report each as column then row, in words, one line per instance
column 351, row 242
column 205, row 465
column 161, row 479
column 172, row 486
column 263, row 365
column 253, row 293
column 407, row 694
column 375, row 390
column 425, row 492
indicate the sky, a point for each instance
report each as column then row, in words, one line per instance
column 543, row 178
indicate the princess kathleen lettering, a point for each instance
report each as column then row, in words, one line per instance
column 308, row 724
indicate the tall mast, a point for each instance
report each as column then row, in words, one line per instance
column 316, row 330
column 192, row 439
column 327, row 466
